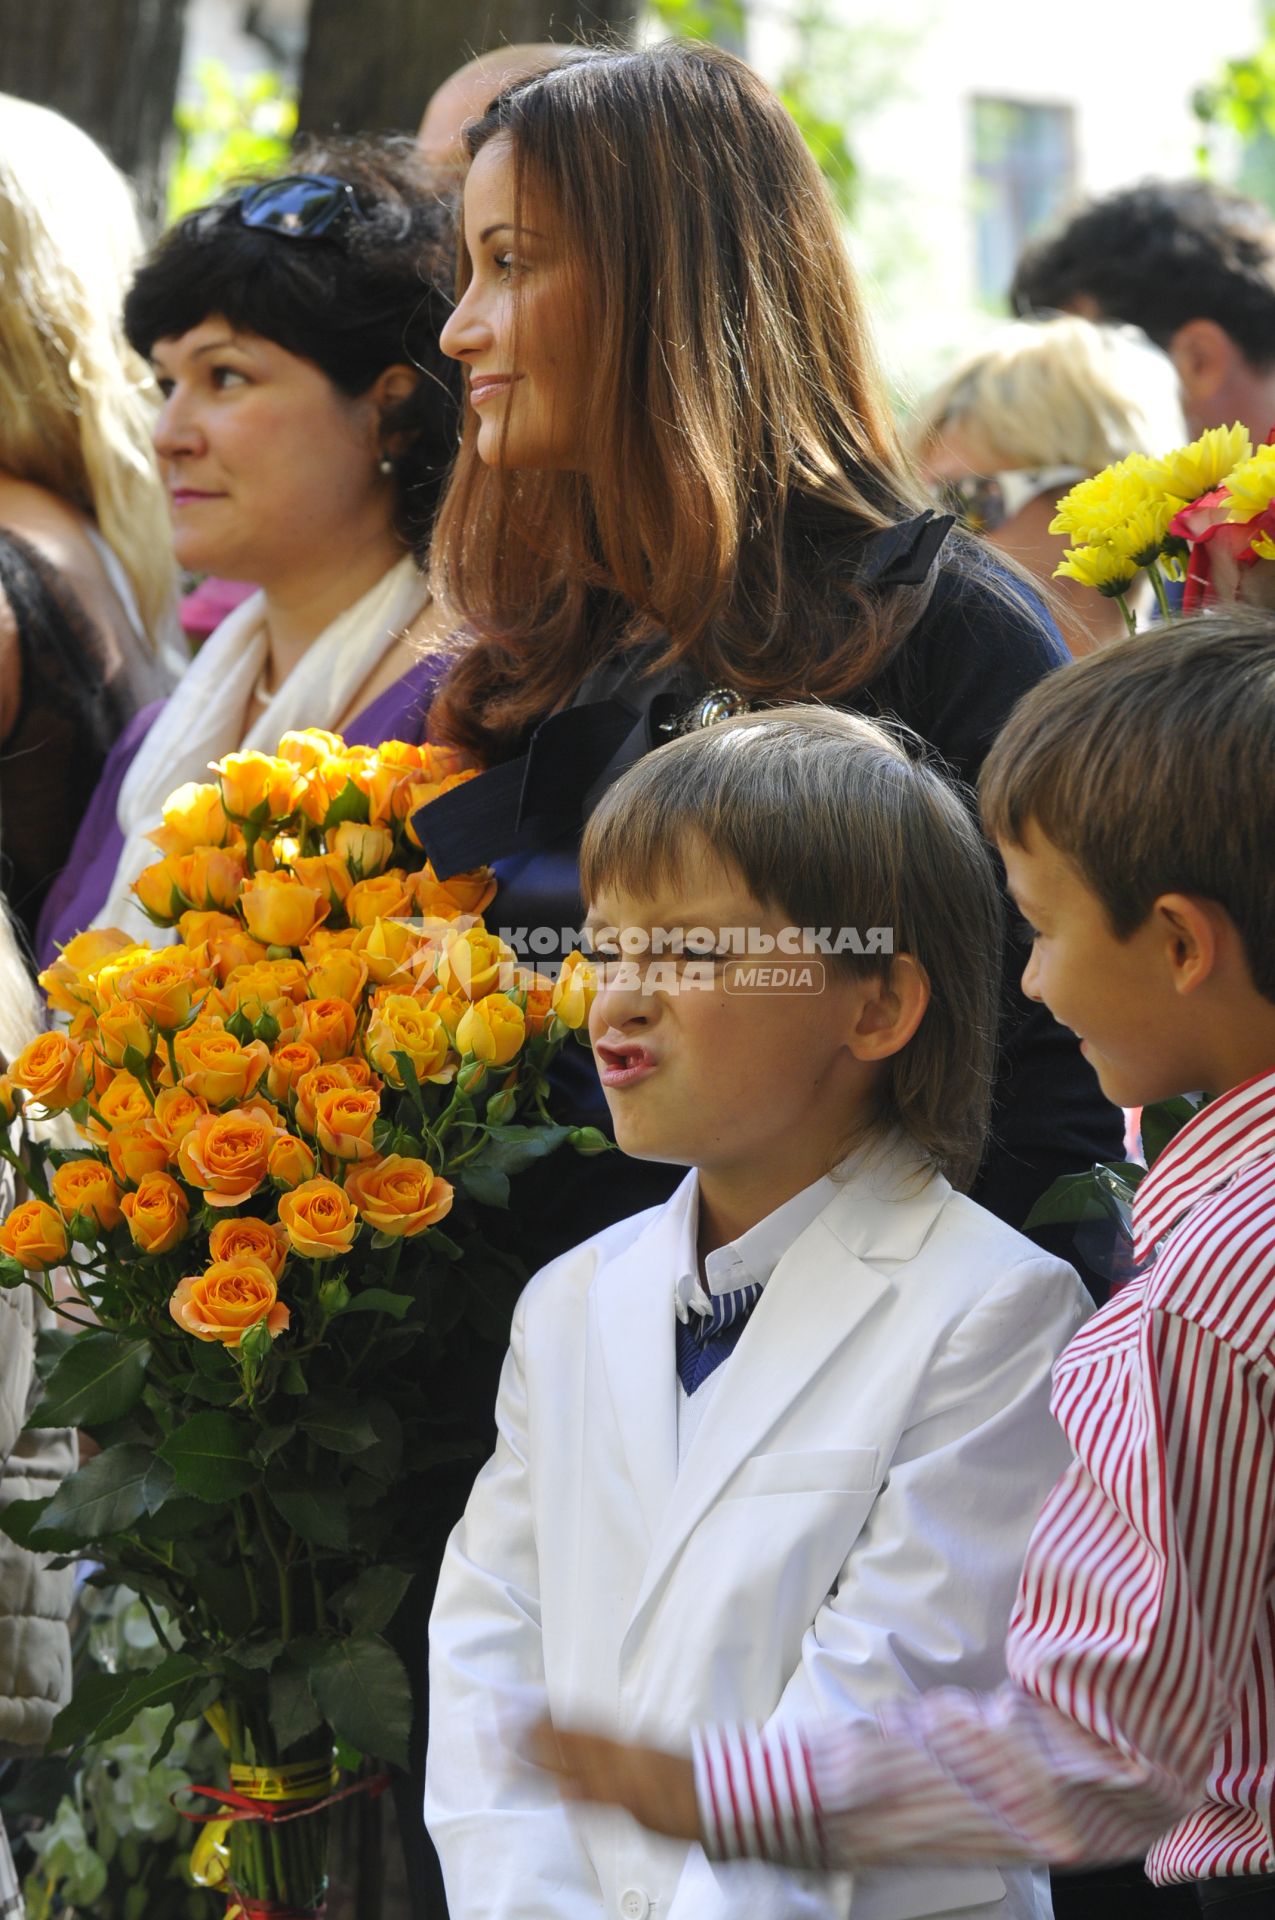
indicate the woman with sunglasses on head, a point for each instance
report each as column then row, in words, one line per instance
column 1039, row 406
column 308, row 420
column 679, row 495
column 87, row 580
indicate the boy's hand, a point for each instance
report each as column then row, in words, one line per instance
column 658, row 1789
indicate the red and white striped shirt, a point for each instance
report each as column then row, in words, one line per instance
column 1140, row 1706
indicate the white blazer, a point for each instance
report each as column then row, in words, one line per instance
column 848, row 1524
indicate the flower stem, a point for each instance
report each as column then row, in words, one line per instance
column 1162, row 598
column 1130, row 620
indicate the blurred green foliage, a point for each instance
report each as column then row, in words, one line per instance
column 812, row 85
column 232, row 127
column 1242, row 100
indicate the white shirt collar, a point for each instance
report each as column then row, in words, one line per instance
column 748, row 1261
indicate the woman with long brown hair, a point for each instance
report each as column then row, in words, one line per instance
column 680, row 494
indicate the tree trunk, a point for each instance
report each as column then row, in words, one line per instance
column 371, row 65
column 109, row 65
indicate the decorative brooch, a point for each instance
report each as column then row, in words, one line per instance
column 719, row 703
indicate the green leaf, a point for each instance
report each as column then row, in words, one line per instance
column 1163, row 1121
column 364, row 1694
column 350, row 804
column 292, row 1379
column 20, row 1516
column 1073, row 1197
column 510, row 1149
column 294, row 1712
column 484, row 1185
column 316, row 1511
column 369, row 1603
column 211, row 1455
column 342, row 1426
column 377, row 1300
column 98, row 1712
column 98, row 1378
column 270, row 1441
column 103, row 1498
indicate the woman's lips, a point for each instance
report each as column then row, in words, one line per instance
column 623, row 1066
column 483, row 386
column 191, row 496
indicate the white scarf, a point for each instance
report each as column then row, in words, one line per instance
column 202, row 718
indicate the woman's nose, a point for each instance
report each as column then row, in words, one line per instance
column 176, row 430
column 465, row 330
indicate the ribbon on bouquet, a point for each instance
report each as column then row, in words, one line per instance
column 271, row 1795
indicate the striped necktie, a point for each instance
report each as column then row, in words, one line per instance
column 704, row 1340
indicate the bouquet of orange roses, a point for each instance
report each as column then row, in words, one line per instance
column 272, row 1261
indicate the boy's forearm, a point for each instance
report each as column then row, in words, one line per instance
column 947, row 1776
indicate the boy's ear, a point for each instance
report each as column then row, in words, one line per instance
column 891, row 1010
column 1192, row 932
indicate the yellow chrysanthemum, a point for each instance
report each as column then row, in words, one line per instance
column 1190, row 471
column 1110, row 569
column 1251, row 485
column 1097, row 509
column 1264, row 547
column 1143, row 533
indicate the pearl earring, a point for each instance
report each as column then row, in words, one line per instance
column 385, row 465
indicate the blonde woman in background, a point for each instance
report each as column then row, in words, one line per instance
column 1039, row 406
column 87, row 577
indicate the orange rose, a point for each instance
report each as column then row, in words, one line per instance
column 217, row 1069
column 226, row 1155
column 88, row 1188
column 310, row 746
column 123, row 1103
column 259, row 1239
column 388, row 896
column 160, row 892
column 574, row 990
column 326, row 940
column 291, row 1162
column 463, row 893
column 319, row 785
column 321, row 1080
column 210, row 877
column 474, row 963
column 68, row 982
column 34, row 1236
column 339, row 975
column 343, row 1122
column 280, row 911
column 402, row 1025
column 398, row 1195
column 256, row 784
column 388, row 947
column 492, row 1030
column 193, row 817
column 158, row 1213
column 231, row 949
column 287, row 1064
column 136, row 1149
column 227, row 1299
column 53, row 1070
column 363, row 850
column 176, row 1111
column 450, row 1008
column 163, row 989
column 328, row 1025
column 325, row 871
column 273, row 987
column 199, row 929
column 122, row 1026
column 536, row 993
column 319, row 1219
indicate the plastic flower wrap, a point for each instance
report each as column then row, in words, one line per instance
column 1209, row 505
column 285, row 1315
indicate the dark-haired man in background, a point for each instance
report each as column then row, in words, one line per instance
column 1190, row 263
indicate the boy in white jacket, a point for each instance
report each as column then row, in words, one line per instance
column 772, row 1450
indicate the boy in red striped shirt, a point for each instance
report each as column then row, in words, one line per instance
column 1133, row 799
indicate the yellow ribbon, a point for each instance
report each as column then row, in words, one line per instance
column 302, row 1781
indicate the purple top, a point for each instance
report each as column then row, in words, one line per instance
column 80, row 891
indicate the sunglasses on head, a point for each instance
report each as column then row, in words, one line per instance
column 985, row 501
column 301, row 206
